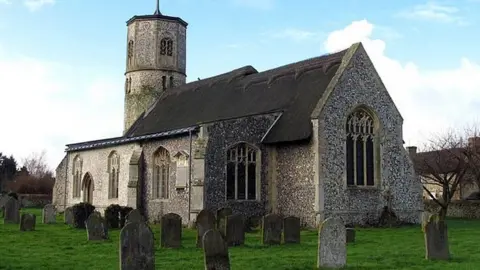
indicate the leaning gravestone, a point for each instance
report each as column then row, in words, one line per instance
column 215, row 251
column 222, row 214
column 11, row 211
column 171, row 231
column 68, row 216
column 332, row 246
column 134, row 216
column 137, row 247
column 96, row 227
column 27, row 222
column 49, row 214
column 272, row 229
column 234, row 230
column 205, row 221
column 436, row 239
column 291, row 230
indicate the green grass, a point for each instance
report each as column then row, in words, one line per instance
column 60, row 247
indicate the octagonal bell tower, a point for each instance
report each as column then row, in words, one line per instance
column 156, row 61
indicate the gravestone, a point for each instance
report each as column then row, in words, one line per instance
column 234, row 230
column 222, row 214
column 291, row 230
column 27, row 222
column 215, row 251
column 272, row 229
column 11, row 211
column 68, row 216
column 205, row 221
column 436, row 239
column 49, row 214
column 96, row 227
column 171, row 231
column 134, row 216
column 137, row 247
column 332, row 246
column 3, row 200
column 350, row 235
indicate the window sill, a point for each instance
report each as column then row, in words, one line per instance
column 362, row 188
column 160, row 200
column 233, row 200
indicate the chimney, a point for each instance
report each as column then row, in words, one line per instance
column 412, row 150
column 474, row 142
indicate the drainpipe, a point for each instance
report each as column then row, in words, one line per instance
column 66, row 181
column 189, row 175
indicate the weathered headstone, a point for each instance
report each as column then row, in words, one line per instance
column 332, row 246
column 215, row 251
column 27, row 222
column 205, row 221
column 436, row 239
column 350, row 235
column 171, row 231
column 291, row 230
column 272, row 229
column 222, row 214
column 49, row 214
column 3, row 200
column 234, row 230
column 134, row 216
column 96, row 227
column 137, row 247
column 11, row 211
column 68, row 216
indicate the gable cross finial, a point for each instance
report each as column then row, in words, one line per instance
column 157, row 10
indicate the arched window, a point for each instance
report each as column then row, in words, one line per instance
column 166, row 46
column 113, row 174
column 161, row 172
column 164, row 82
column 360, row 148
column 171, row 81
column 130, row 51
column 77, row 174
column 242, row 172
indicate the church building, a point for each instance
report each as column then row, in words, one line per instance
column 313, row 139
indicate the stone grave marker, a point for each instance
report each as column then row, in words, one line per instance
column 137, row 247
column 27, row 222
column 332, row 246
column 215, row 251
column 68, row 216
column 205, row 221
column 96, row 227
column 49, row 214
column 134, row 216
column 436, row 239
column 171, row 231
column 3, row 200
column 350, row 235
column 12, row 211
column 234, row 230
column 272, row 229
column 222, row 214
column 291, row 230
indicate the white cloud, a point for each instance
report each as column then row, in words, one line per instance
column 430, row 100
column 433, row 11
column 34, row 5
column 296, row 34
column 258, row 4
column 46, row 105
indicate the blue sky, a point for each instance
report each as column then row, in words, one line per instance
column 62, row 61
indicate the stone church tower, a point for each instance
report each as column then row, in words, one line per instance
column 156, row 61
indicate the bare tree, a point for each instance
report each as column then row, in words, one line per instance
column 36, row 164
column 443, row 164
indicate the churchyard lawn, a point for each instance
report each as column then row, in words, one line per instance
column 60, row 247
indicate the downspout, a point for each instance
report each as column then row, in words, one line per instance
column 66, row 181
column 189, row 175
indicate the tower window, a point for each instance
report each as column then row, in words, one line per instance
column 164, row 82
column 171, row 81
column 166, row 46
column 130, row 51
